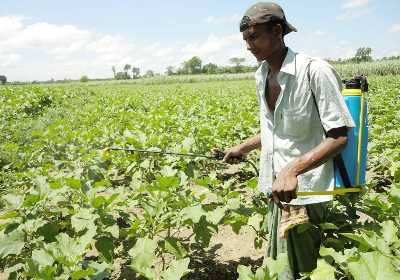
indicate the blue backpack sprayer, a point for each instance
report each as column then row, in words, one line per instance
column 355, row 153
column 350, row 164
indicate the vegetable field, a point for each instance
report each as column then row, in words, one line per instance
column 71, row 210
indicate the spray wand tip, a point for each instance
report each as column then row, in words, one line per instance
column 217, row 153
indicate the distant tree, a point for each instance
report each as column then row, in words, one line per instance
column 181, row 70
column 122, row 76
column 210, row 68
column 363, row 54
column 393, row 57
column 135, row 72
column 84, row 79
column 237, row 61
column 114, row 71
column 149, row 73
column 3, row 79
column 170, row 70
column 192, row 66
column 127, row 67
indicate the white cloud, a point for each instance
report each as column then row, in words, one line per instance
column 9, row 26
column 223, row 19
column 41, row 50
column 64, row 38
column 219, row 49
column 213, row 44
column 322, row 47
column 353, row 14
column 319, row 33
column 43, row 44
column 351, row 4
column 394, row 53
column 352, row 9
column 387, row 51
column 394, row 28
column 110, row 44
column 48, row 37
column 9, row 59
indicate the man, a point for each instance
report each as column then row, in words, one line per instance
column 304, row 123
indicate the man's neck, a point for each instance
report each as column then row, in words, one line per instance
column 276, row 60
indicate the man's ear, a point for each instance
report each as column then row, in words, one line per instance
column 277, row 29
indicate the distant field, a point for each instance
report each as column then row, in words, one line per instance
column 380, row 68
column 376, row 68
column 163, row 79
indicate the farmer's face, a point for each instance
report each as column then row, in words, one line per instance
column 261, row 42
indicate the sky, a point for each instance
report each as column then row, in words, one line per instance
column 47, row 39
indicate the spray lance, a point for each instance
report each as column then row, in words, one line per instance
column 219, row 155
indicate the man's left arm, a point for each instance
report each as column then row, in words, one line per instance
column 284, row 187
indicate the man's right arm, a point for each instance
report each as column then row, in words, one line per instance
column 238, row 151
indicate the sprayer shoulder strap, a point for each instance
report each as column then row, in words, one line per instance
column 338, row 160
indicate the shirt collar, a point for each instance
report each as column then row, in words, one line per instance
column 288, row 65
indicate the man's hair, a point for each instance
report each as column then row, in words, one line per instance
column 244, row 23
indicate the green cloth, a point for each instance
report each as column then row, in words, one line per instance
column 302, row 248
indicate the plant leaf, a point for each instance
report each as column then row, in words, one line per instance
column 42, row 258
column 83, row 219
column 245, row 273
column 143, row 257
column 337, row 256
column 373, row 266
column 193, row 213
column 323, row 271
column 81, row 274
column 12, row 243
column 105, row 246
column 277, row 266
column 176, row 270
column 389, row 232
column 173, row 246
column 216, row 215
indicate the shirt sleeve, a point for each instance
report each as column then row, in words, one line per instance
column 327, row 85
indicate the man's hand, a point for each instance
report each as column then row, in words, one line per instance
column 285, row 185
column 231, row 155
column 238, row 152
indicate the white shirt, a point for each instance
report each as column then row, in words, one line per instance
column 295, row 128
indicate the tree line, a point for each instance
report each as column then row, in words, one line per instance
column 125, row 74
column 192, row 66
column 195, row 66
column 363, row 54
